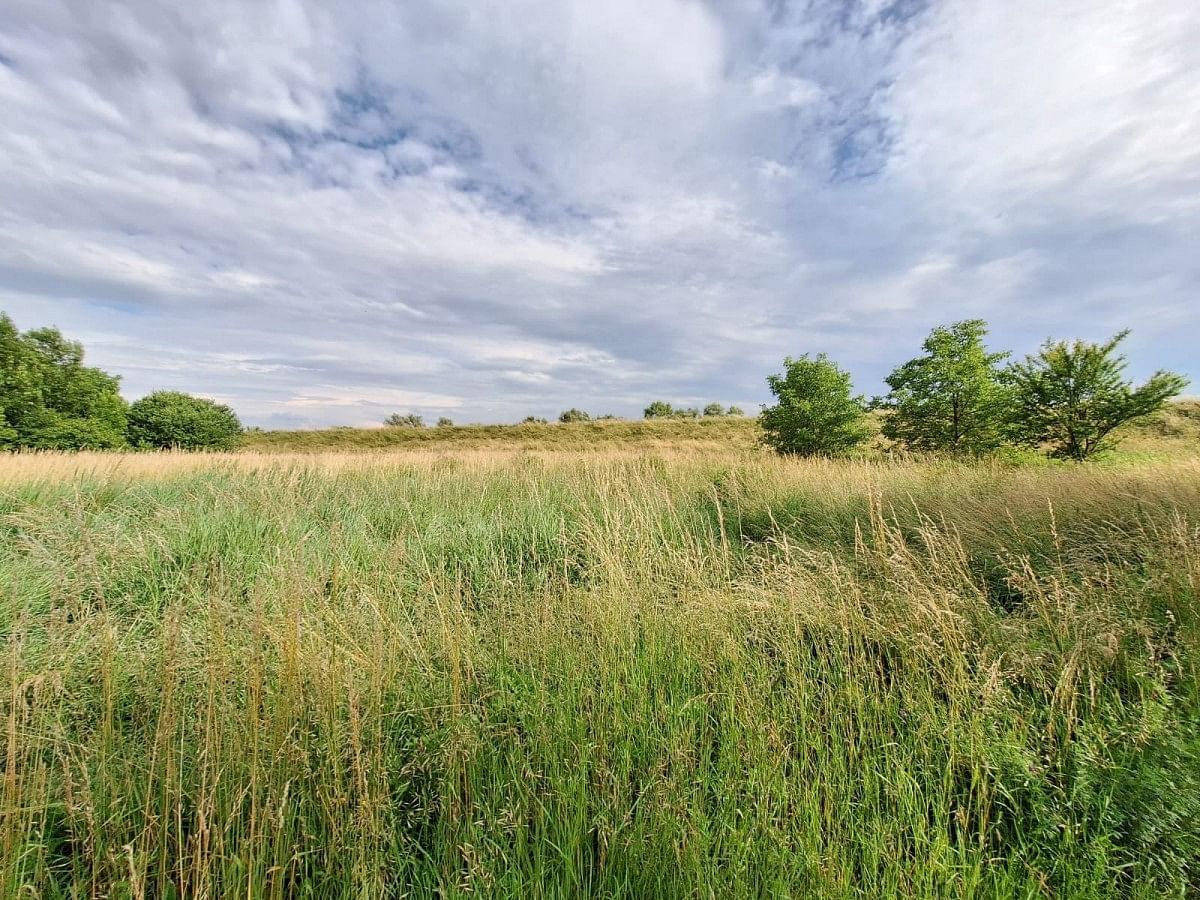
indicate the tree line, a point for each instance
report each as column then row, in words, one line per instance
column 960, row 398
column 49, row 400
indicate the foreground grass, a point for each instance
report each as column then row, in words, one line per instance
column 614, row 676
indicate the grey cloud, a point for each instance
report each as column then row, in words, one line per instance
column 491, row 209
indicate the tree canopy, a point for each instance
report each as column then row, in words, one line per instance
column 50, row 400
column 953, row 398
column 816, row 412
column 170, row 419
column 1072, row 396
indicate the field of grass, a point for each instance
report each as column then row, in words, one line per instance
column 1173, row 433
column 705, row 433
column 653, row 672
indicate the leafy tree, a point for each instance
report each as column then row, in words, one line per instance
column 816, row 414
column 573, row 415
column 1072, row 396
column 689, row 413
column 167, row 419
column 714, row 409
column 952, row 399
column 49, row 399
column 412, row 420
column 659, row 409
column 445, row 422
column 735, row 411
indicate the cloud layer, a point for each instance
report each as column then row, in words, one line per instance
column 492, row 208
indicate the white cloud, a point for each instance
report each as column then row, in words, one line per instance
column 502, row 208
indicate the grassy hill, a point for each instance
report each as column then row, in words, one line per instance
column 724, row 433
column 1173, row 432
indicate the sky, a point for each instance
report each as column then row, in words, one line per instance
column 324, row 213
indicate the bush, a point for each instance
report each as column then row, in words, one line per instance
column 714, row 409
column 659, row 409
column 445, row 422
column 953, row 399
column 816, row 413
column 168, row 419
column 573, row 415
column 412, row 420
column 534, row 420
column 689, row 413
column 1072, row 396
column 735, row 411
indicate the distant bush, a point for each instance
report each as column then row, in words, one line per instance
column 659, row 409
column 412, row 420
column 534, row 420
column 573, row 415
column 816, row 414
column 735, row 411
column 167, row 419
column 714, row 409
column 689, row 413
column 445, row 422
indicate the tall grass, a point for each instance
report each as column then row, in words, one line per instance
column 607, row 676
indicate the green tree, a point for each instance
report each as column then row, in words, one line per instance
column 689, row 412
column 714, row 409
column 735, row 411
column 659, row 409
column 1072, row 396
column 815, row 413
column 953, row 399
column 396, row 420
column 573, row 415
column 445, row 422
column 167, row 419
column 49, row 399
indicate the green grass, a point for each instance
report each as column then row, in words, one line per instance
column 621, row 675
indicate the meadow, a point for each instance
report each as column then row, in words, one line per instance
column 654, row 665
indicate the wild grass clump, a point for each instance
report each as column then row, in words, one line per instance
column 606, row 676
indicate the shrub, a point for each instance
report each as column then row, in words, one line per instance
column 714, row 409
column 167, row 419
column 735, row 411
column 815, row 413
column 573, row 415
column 689, row 413
column 445, row 422
column 1072, row 396
column 396, row 420
column 534, row 420
column 659, row 409
column 953, row 398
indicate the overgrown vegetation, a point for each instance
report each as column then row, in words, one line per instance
column 665, row 675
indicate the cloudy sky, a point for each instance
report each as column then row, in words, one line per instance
column 491, row 208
